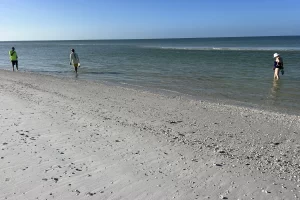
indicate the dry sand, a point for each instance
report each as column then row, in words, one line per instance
column 70, row 139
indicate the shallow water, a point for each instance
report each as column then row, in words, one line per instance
column 237, row 70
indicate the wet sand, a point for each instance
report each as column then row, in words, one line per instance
column 71, row 139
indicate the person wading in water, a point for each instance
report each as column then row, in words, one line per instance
column 74, row 59
column 13, row 58
column 278, row 65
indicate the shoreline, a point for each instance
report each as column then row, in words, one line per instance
column 77, row 139
column 176, row 94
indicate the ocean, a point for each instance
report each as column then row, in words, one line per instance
column 236, row 70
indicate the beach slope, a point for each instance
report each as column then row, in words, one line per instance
column 74, row 139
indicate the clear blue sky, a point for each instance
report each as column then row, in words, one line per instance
column 131, row 19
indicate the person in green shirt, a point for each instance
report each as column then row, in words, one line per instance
column 13, row 58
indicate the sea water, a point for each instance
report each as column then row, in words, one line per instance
column 234, row 70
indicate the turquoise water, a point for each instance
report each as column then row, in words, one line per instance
column 235, row 70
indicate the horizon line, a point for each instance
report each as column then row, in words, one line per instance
column 147, row 38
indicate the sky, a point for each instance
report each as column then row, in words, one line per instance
column 146, row 19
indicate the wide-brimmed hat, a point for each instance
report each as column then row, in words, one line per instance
column 276, row 55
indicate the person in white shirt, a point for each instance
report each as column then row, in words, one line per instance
column 74, row 59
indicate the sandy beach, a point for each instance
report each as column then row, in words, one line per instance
column 73, row 139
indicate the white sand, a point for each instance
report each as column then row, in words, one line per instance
column 70, row 139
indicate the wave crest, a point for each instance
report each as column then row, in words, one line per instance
column 225, row 48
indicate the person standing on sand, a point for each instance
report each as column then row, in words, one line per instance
column 13, row 58
column 278, row 65
column 74, row 59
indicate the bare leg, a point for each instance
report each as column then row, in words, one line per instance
column 276, row 74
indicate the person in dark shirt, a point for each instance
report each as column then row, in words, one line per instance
column 278, row 65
